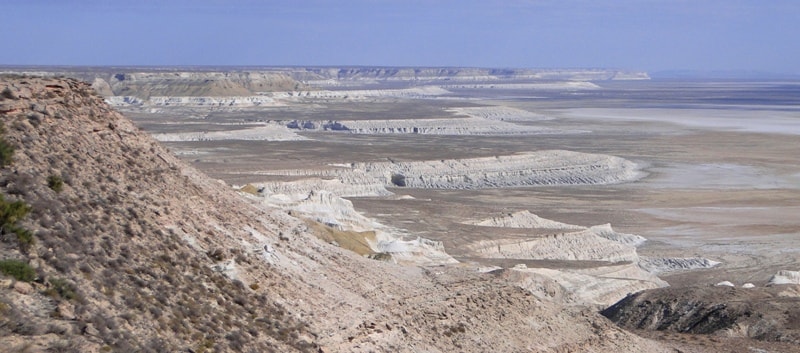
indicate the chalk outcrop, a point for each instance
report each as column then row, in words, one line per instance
column 785, row 277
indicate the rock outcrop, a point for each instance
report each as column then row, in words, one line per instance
column 767, row 313
column 785, row 277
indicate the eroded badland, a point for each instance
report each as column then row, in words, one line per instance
column 391, row 209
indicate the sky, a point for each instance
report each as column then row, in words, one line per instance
column 651, row 35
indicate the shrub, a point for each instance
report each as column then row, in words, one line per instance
column 399, row 180
column 61, row 288
column 20, row 270
column 55, row 182
column 10, row 214
column 6, row 152
column 24, row 236
column 7, row 93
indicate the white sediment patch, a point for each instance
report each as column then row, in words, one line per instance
column 626, row 272
column 270, row 132
column 664, row 265
column 523, row 219
column 761, row 121
column 194, row 101
column 605, row 231
column 419, row 250
column 565, row 85
column 349, row 185
column 498, row 113
column 551, row 167
column 785, row 277
column 601, row 286
column 582, row 245
column 322, row 200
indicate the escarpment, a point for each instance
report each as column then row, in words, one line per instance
column 126, row 248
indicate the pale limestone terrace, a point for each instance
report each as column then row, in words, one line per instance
column 785, row 277
column 624, row 271
column 344, row 185
column 582, row 245
column 663, row 265
column 268, row 132
column 272, row 99
column 499, row 113
column 307, row 199
column 550, row 167
column 522, row 219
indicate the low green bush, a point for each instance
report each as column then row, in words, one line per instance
column 55, row 182
column 20, row 270
column 6, row 152
column 61, row 288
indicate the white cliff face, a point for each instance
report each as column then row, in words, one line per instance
column 623, row 273
column 553, row 167
column 498, row 113
column 582, row 245
column 268, row 132
column 322, row 201
column 785, row 277
column 658, row 265
column 605, row 231
column 272, row 99
column 523, row 219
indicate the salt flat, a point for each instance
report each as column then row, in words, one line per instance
column 730, row 118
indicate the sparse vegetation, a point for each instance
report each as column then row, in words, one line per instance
column 6, row 151
column 17, row 269
column 55, row 182
column 60, row 288
column 10, row 214
column 7, row 93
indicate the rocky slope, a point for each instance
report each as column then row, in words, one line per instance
column 768, row 313
column 132, row 250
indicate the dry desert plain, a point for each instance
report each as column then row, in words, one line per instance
column 579, row 186
column 667, row 206
column 719, row 160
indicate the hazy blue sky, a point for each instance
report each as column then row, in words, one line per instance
column 652, row 35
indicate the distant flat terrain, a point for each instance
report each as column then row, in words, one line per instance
column 722, row 172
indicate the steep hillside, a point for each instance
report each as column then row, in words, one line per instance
column 109, row 243
column 767, row 313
